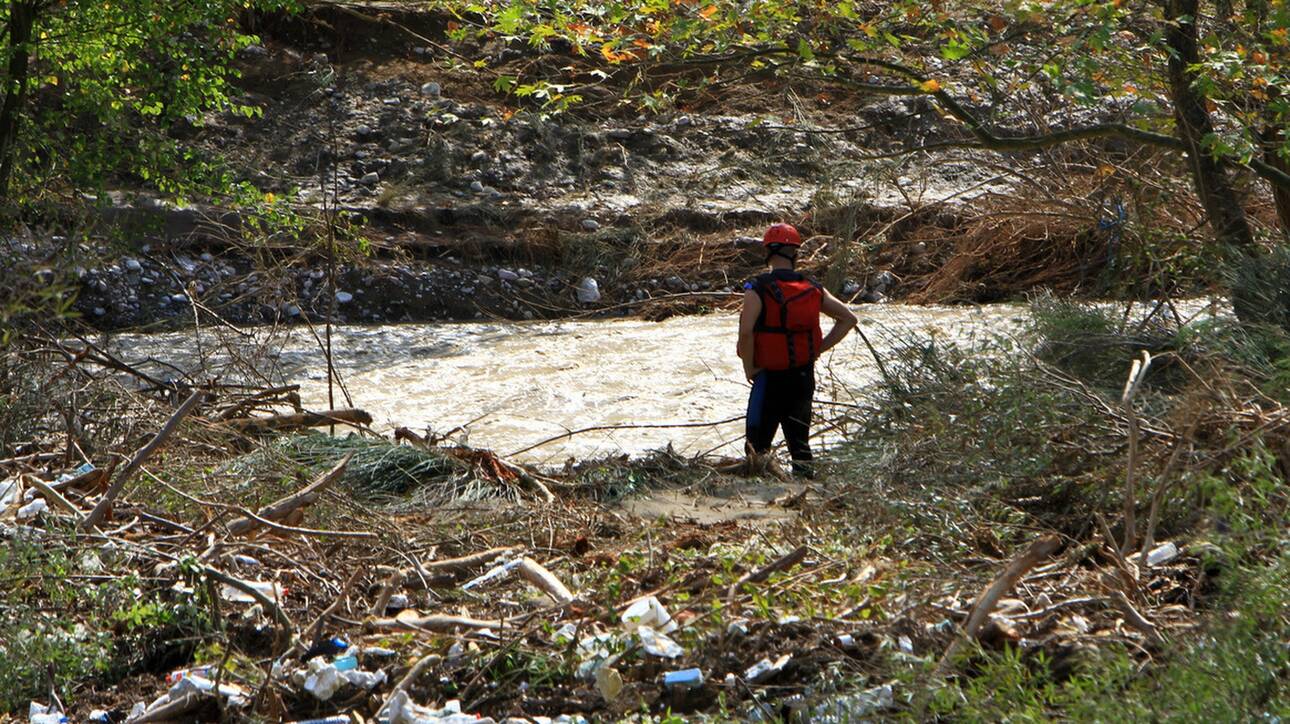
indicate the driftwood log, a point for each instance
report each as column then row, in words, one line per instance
column 286, row 509
column 539, row 576
column 297, row 420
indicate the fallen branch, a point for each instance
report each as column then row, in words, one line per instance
column 432, row 622
column 781, row 564
column 1133, row 618
column 388, row 586
column 53, row 496
column 989, row 598
column 288, row 505
column 172, row 710
column 100, row 511
column 539, row 576
column 467, row 563
column 291, row 421
column 407, row 680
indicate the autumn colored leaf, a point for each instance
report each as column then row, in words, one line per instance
column 998, row 23
column 708, row 12
column 616, row 56
column 931, row 85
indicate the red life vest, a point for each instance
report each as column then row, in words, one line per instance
column 788, row 332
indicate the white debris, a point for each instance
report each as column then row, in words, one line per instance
column 33, row 509
column 657, row 643
column 852, row 708
column 764, row 669
column 649, row 612
column 497, row 572
column 401, row 710
column 271, row 591
column 38, row 713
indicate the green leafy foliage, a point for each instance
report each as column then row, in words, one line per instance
column 107, row 83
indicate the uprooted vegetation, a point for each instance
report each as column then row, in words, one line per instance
column 452, row 574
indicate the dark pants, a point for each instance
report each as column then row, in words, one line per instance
column 782, row 398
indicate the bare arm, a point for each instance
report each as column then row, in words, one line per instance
column 748, row 321
column 844, row 320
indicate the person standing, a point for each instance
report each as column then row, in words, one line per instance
column 779, row 340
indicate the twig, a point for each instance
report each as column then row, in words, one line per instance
column 52, row 495
column 1133, row 618
column 780, row 564
column 1137, row 372
column 96, row 515
column 989, row 598
column 647, row 426
column 407, row 680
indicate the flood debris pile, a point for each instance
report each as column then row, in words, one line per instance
column 196, row 570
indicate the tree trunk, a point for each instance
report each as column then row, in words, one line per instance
column 22, row 18
column 1218, row 197
column 1272, row 139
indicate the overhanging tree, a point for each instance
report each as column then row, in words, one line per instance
column 91, row 87
column 1200, row 79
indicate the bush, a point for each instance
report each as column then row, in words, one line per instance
column 1260, row 285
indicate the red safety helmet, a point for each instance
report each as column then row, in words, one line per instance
column 781, row 234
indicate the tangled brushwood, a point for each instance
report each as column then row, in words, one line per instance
column 1008, row 529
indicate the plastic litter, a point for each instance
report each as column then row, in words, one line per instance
column 494, row 573
column 327, row 647
column 402, row 710
column 1162, row 554
column 658, row 644
column 323, row 679
column 765, row 669
column 32, row 509
column 271, row 590
column 78, row 472
column 346, row 663
column 851, row 708
column 194, row 684
column 649, row 612
column 38, row 713
column 174, row 676
column 565, row 633
column 8, row 492
column 397, row 602
column 905, row 644
column 97, row 716
column 683, row 679
column 609, row 682
column 245, row 560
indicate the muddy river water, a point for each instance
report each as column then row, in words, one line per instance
column 510, row 385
